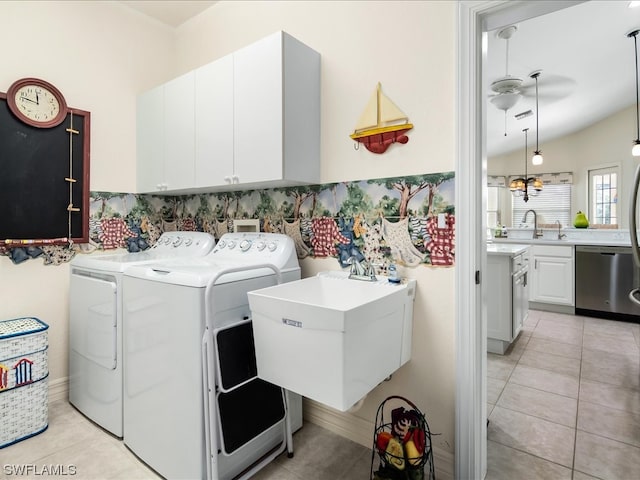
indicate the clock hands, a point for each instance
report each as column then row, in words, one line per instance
column 29, row 100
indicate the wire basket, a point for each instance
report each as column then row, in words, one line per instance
column 402, row 442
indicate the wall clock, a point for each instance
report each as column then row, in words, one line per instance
column 37, row 103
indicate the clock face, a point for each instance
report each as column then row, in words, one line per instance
column 37, row 103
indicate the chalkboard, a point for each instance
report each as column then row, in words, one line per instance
column 36, row 168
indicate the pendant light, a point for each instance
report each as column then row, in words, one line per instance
column 537, row 155
column 635, row 151
column 520, row 186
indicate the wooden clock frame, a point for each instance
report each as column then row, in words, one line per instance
column 11, row 101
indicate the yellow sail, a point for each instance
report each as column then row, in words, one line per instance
column 379, row 116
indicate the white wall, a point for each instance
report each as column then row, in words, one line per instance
column 607, row 142
column 407, row 46
column 100, row 55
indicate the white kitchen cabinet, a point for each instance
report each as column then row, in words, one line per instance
column 149, row 147
column 507, row 296
column 165, row 136
column 551, row 270
column 214, row 123
column 276, row 113
column 248, row 120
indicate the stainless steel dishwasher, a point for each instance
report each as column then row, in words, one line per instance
column 604, row 277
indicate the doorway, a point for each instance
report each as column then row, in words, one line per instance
column 475, row 19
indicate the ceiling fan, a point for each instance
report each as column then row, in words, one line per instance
column 508, row 90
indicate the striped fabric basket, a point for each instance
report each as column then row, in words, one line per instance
column 23, row 379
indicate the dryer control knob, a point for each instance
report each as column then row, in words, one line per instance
column 188, row 242
column 177, row 241
column 231, row 244
column 222, row 244
column 245, row 245
column 272, row 246
column 260, row 246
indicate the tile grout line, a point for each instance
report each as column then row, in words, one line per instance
column 575, row 431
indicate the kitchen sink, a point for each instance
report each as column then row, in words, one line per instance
column 331, row 338
column 550, row 234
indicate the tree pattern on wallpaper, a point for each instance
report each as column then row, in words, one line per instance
column 382, row 220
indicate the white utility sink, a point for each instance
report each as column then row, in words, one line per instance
column 330, row 338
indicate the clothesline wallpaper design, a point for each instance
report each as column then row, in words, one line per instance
column 407, row 220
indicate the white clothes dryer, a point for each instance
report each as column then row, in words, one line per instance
column 95, row 323
column 193, row 404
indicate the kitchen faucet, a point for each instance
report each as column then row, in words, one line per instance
column 535, row 222
column 560, row 236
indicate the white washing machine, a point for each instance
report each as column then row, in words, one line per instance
column 95, row 323
column 193, row 405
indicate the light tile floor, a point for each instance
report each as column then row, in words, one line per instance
column 72, row 441
column 564, row 401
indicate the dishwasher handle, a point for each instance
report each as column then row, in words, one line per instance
column 633, row 296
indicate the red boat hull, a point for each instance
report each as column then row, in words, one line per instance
column 379, row 142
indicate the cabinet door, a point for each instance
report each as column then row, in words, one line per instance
column 520, row 303
column 552, row 280
column 214, row 123
column 179, row 132
column 258, row 104
column 499, row 298
column 149, row 140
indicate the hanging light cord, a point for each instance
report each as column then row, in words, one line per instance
column 537, row 115
column 635, row 42
column 526, row 178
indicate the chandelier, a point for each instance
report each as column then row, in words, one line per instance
column 520, row 186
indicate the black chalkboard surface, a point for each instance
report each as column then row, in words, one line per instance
column 34, row 163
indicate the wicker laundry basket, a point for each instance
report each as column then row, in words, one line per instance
column 24, row 370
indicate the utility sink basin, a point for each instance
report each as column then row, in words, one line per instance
column 330, row 338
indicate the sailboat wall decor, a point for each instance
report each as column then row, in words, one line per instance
column 381, row 124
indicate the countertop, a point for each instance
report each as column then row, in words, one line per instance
column 564, row 241
column 572, row 236
column 509, row 249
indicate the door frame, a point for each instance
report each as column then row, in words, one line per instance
column 474, row 20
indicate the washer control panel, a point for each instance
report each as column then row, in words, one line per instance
column 253, row 245
column 184, row 243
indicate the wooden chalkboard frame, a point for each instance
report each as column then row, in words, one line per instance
column 35, row 168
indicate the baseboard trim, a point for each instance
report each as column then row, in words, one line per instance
column 59, row 389
column 361, row 431
column 552, row 307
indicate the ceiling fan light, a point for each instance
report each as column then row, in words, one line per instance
column 635, row 151
column 505, row 101
column 537, row 158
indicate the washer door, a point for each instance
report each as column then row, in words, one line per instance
column 93, row 319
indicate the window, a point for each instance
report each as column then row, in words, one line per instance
column 493, row 206
column 603, row 196
column 551, row 204
column 495, row 188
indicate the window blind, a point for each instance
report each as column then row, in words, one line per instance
column 551, row 204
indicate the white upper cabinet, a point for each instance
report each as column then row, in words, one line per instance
column 277, row 112
column 165, row 136
column 214, row 123
column 253, row 122
column 258, row 140
column 149, row 147
column 179, row 137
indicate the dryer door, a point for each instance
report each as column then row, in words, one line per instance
column 93, row 319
